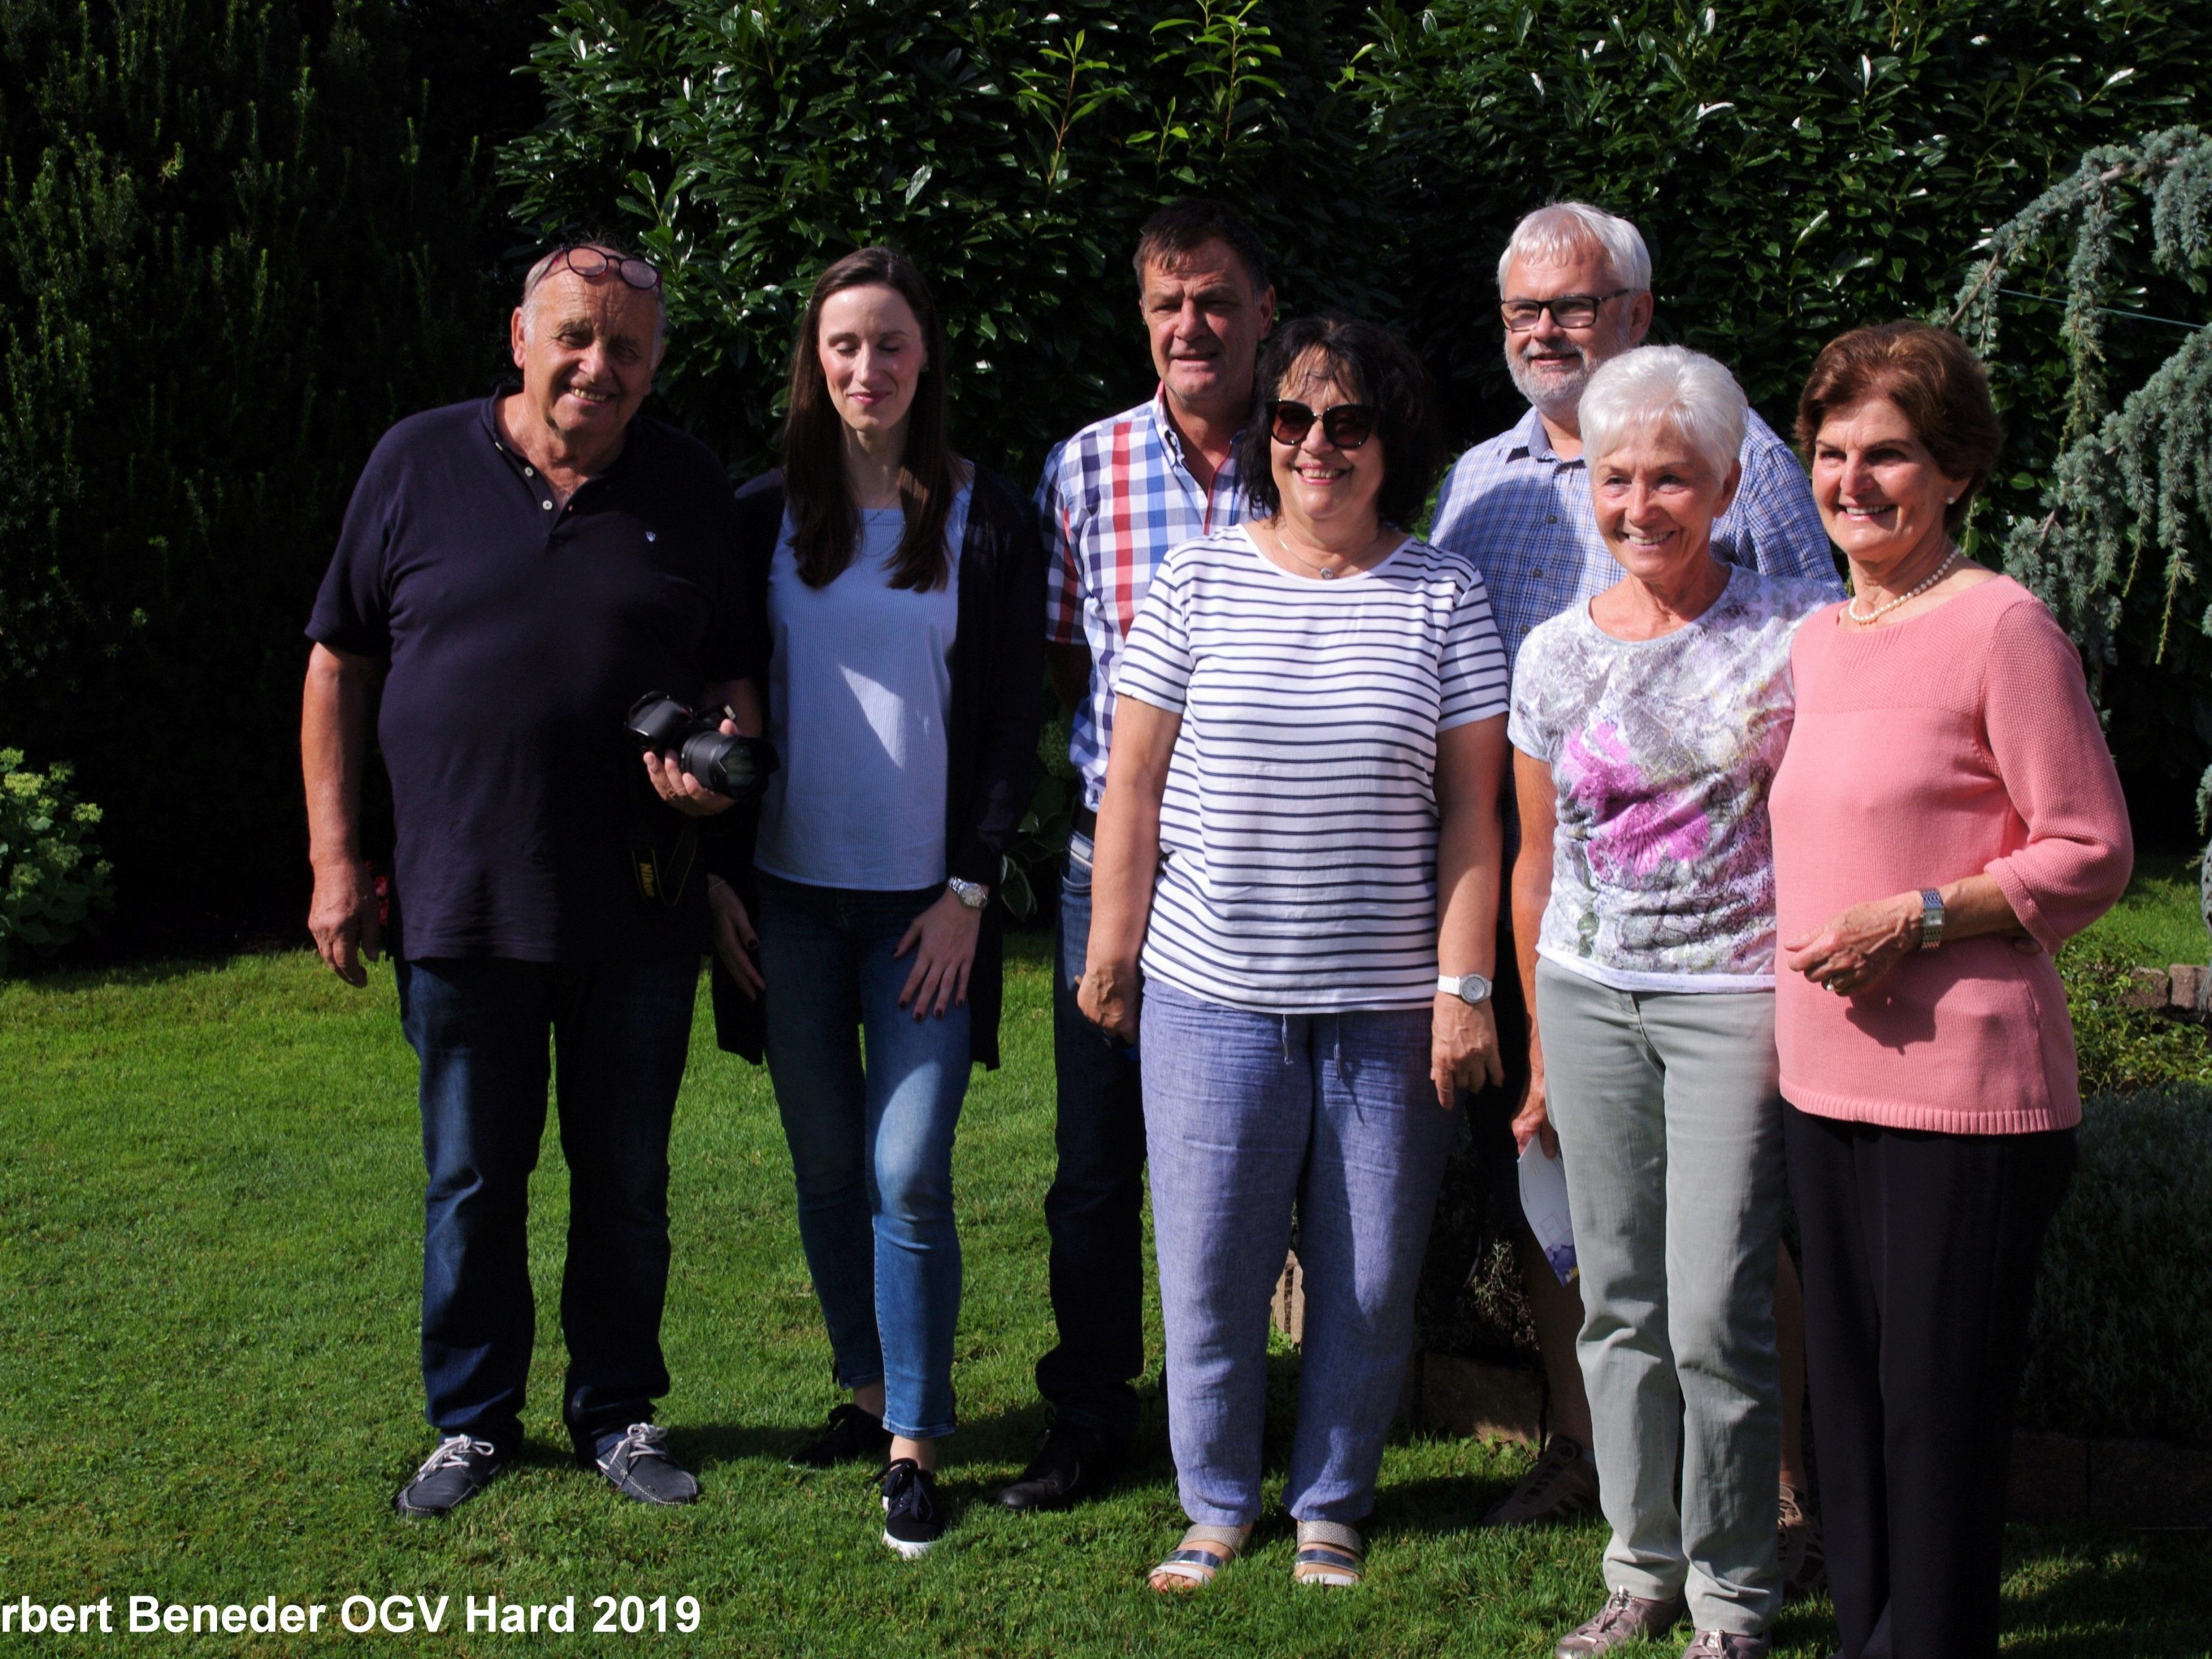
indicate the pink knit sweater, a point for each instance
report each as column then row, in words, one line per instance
column 1956, row 741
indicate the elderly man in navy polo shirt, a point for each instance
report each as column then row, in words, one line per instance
column 513, row 573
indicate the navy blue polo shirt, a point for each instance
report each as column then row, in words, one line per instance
column 520, row 631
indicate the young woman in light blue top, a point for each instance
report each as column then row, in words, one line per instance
column 905, row 658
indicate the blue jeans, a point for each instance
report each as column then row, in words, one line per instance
column 620, row 1032
column 1094, row 1209
column 871, row 1146
column 1248, row 1114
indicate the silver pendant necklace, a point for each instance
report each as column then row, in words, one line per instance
column 1283, row 544
column 1884, row 609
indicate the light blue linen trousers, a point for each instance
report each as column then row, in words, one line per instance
column 1248, row 1117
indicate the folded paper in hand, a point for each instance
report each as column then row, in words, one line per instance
column 1544, row 1202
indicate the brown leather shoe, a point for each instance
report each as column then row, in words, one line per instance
column 1727, row 1645
column 1563, row 1484
column 1804, row 1563
column 1622, row 1620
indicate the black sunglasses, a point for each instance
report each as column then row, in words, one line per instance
column 1346, row 426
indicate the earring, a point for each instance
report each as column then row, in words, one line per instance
column 1950, row 500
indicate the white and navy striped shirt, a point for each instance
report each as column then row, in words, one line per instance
column 1298, row 835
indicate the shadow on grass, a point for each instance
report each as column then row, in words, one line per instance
column 2085, row 1594
column 1442, row 1506
column 1001, row 1437
column 78, row 976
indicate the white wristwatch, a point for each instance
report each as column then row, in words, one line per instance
column 973, row 893
column 1470, row 989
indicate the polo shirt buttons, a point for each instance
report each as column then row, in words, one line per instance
column 548, row 505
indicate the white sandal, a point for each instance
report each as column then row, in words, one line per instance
column 1195, row 1566
column 1329, row 1553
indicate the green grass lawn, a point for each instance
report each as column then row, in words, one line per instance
column 210, row 1242
column 2160, row 920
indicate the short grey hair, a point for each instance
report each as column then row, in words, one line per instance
column 1561, row 230
column 542, row 267
column 1671, row 387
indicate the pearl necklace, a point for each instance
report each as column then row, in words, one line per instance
column 1882, row 610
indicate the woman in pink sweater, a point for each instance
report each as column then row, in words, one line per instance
column 1945, row 816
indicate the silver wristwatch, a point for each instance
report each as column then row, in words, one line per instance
column 973, row 893
column 1470, row 989
column 1931, row 918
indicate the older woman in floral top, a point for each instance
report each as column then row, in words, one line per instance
column 1646, row 729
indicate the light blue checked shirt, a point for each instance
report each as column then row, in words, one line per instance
column 1524, row 516
column 1116, row 499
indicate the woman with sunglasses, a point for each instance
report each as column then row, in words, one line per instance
column 1298, row 853
column 905, row 658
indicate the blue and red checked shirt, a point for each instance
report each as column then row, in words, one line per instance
column 1523, row 514
column 1116, row 498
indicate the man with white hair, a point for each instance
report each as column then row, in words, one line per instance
column 513, row 573
column 1574, row 287
column 1574, row 291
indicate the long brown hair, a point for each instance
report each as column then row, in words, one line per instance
column 825, row 525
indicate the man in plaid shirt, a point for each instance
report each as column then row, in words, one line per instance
column 1574, row 288
column 1116, row 498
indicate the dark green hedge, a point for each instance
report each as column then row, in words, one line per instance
column 1796, row 170
column 228, row 261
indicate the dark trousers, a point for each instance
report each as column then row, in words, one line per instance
column 1093, row 1210
column 619, row 1033
column 1491, row 1110
column 1920, row 1254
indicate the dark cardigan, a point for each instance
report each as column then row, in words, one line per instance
column 997, row 705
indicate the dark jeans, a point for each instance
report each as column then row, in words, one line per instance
column 1920, row 1253
column 1491, row 1110
column 619, row 1033
column 1093, row 1210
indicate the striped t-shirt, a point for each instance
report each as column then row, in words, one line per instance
column 1298, row 865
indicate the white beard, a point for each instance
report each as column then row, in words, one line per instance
column 1558, row 399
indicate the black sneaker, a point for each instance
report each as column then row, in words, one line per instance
column 1074, row 1464
column 461, row 1467
column 637, row 1465
column 854, row 1436
column 911, row 1520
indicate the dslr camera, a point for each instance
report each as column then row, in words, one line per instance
column 737, row 767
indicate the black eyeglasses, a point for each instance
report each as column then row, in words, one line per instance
column 1568, row 311
column 590, row 263
column 1346, row 426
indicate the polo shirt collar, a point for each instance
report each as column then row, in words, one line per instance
column 487, row 417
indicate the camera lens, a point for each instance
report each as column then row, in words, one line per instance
column 723, row 764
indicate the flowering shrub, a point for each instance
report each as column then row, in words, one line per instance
column 53, row 879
